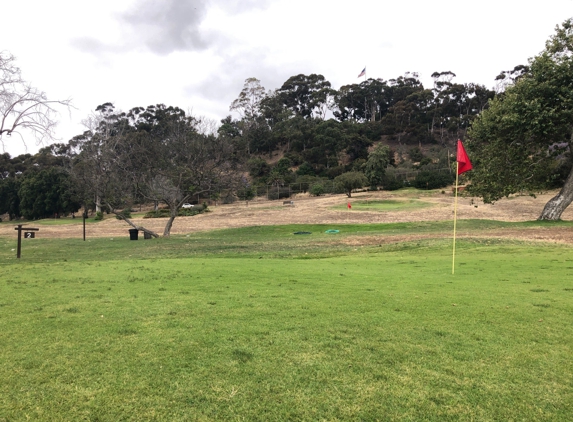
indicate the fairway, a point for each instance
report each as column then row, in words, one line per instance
column 258, row 324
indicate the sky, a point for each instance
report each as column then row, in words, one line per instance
column 196, row 54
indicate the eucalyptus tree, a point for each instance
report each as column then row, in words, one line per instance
column 306, row 95
column 367, row 101
column 248, row 106
column 94, row 157
column 524, row 140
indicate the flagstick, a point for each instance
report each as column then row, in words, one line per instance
column 455, row 218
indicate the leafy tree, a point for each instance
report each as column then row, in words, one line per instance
column 258, row 168
column 367, row 101
column 45, row 193
column 170, row 158
column 375, row 166
column 305, row 169
column 416, row 154
column 306, row 95
column 521, row 140
column 252, row 125
column 158, row 153
column 248, row 103
column 317, row 189
column 246, row 191
column 349, row 181
column 9, row 199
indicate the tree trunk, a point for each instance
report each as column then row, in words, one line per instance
column 132, row 224
column 556, row 205
column 169, row 224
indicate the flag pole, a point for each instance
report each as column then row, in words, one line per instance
column 455, row 217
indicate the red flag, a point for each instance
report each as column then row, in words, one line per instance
column 464, row 163
column 349, row 206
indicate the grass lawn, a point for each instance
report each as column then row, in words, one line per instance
column 384, row 205
column 259, row 324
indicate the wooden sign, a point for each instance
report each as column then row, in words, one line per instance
column 25, row 229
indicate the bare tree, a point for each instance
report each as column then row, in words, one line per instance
column 24, row 108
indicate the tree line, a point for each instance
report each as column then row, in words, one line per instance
column 362, row 134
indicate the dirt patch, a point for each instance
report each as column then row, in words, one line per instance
column 319, row 210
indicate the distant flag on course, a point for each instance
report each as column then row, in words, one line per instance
column 349, row 205
column 362, row 73
column 464, row 163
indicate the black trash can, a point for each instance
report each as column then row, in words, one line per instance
column 146, row 235
column 133, row 234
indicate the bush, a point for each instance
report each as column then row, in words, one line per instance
column 279, row 192
column 432, row 180
column 126, row 213
column 416, row 155
column 246, row 193
column 334, row 172
column 98, row 216
column 305, row 169
column 183, row 212
column 316, row 190
column 392, row 183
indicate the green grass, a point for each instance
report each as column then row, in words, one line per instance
column 259, row 324
column 63, row 221
column 384, row 205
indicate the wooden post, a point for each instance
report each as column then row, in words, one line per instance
column 20, row 228
column 19, row 249
column 85, row 214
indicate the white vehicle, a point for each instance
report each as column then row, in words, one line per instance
column 186, row 205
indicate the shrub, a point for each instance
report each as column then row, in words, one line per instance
column 416, row 155
column 317, row 189
column 333, row 172
column 305, row 169
column 432, row 180
column 392, row 183
column 98, row 216
column 279, row 192
column 126, row 213
column 246, row 193
column 183, row 212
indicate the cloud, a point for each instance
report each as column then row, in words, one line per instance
column 224, row 86
column 93, row 46
column 167, row 26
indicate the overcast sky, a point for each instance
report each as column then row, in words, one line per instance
column 196, row 54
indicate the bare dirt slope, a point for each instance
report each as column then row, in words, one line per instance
column 320, row 210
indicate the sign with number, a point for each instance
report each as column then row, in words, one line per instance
column 29, row 235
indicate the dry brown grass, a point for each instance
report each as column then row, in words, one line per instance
column 319, row 210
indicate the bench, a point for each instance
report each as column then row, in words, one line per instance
column 291, row 203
